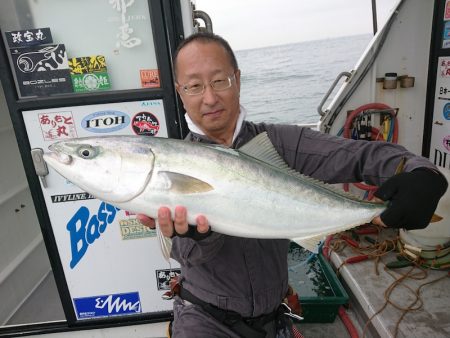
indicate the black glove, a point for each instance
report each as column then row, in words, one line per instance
column 413, row 198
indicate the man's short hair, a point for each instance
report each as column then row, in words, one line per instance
column 206, row 37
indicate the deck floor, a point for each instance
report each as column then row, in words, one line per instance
column 367, row 289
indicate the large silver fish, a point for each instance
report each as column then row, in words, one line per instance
column 250, row 192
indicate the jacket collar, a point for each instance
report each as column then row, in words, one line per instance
column 199, row 135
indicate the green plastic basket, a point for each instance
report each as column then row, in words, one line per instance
column 320, row 292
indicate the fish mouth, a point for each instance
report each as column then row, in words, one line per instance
column 58, row 155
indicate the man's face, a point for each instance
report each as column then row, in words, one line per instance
column 214, row 112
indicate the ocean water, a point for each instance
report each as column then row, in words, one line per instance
column 285, row 84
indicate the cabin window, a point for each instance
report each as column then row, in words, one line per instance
column 63, row 46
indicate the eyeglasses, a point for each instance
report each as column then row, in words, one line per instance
column 217, row 85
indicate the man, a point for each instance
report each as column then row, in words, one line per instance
column 232, row 287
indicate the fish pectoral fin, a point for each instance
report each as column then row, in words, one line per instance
column 164, row 243
column 184, row 184
column 436, row 218
column 310, row 243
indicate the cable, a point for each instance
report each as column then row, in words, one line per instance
column 375, row 134
column 353, row 332
column 376, row 251
column 347, row 322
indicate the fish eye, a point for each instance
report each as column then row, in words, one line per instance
column 87, row 152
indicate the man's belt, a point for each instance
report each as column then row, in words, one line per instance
column 244, row 327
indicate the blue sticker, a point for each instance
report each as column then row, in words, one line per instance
column 108, row 305
column 105, row 121
column 446, row 111
column 446, row 35
column 85, row 229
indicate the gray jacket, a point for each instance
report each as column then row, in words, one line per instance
column 250, row 276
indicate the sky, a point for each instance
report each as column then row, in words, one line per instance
column 250, row 24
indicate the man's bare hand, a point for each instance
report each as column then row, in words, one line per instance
column 177, row 224
column 146, row 220
column 377, row 221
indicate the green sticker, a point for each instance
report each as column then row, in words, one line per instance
column 90, row 82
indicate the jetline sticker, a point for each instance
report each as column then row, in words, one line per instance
column 83, row 196
column 108, row 305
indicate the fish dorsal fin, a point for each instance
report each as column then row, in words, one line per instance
column 261, row 148
column 183, row 184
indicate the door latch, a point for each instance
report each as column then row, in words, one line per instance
column 39, row 165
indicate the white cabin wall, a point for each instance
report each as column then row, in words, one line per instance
column 405, row 52
column 23, row 258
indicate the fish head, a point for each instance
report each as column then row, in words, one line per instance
column 113, row 169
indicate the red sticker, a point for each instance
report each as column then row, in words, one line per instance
column 145, row 123
column 149, row 78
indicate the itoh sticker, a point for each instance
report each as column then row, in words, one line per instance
column 105, row 121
